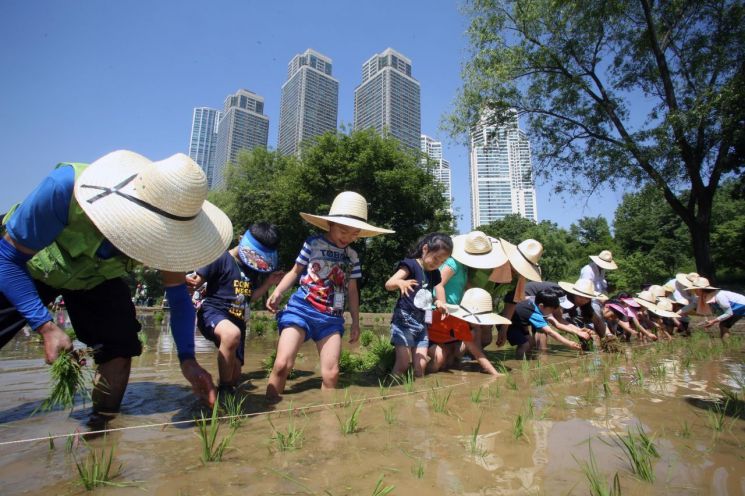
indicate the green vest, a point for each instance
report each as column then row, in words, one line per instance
column 70, row 262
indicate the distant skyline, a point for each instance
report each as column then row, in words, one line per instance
column 83, row 78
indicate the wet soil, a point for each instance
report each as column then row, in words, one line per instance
column 569, row 404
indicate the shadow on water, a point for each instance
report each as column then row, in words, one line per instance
column 730, row 407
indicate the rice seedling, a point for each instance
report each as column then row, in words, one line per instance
column 639, row 450
column 207, row 430
column 406, row 380
column 591, row 396
column 473, row 442
column 389, row 415
column 366, row 337
column 658, row 371
column 511, row 383
column 347, row 400
column 596, row 480
column 418, row 469
column 525, row 368
column 476, row 395
column 499, row 367
column 554, row 373
column 607, row 392
column 529, row 408
column 70, row 442
column 292, row 438
column 439, row 399
column 716, row 416
column 350, row 424
column 639, row 375
column 685, row 430
column 494, row 391
column 96, row 469
column 383, row 390
column 685, row 361
column 624, row 386
column 68, row 378
column 538, row 378
column 380, row 490
column 518, row 427
column 51, row 442
column 232, row 405
column 142, row 337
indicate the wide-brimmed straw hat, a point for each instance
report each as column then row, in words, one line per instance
column 154, row 212
column 524, row 257
column 702, row 283
column 646, row 299
column 478, row 250
column 686, row 280
column 664, row 308
column 476, row 307
column 657, row 291
column 604, row 260
column 583, row 287
column 348, row 209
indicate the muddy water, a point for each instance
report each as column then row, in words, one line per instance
column 568, row 404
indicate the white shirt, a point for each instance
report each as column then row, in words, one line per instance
column 594, row 273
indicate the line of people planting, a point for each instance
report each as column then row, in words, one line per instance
column 85, row 227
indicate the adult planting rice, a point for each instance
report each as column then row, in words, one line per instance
column 729, row 305
column 80, row 232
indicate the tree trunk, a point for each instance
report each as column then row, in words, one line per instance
column 700, row 239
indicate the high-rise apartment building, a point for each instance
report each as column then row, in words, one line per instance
column 203, row 140
column 501, row 172
column 440, row 166
column 243, row 126
column 310, row 101
column 388, row 99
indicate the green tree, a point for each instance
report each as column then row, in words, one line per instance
column 618, row 92
column 403, row 196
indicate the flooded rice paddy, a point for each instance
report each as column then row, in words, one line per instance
column 536, row 430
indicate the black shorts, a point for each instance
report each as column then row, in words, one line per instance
column 103, row 318
column 207, row 320
column 727, row 324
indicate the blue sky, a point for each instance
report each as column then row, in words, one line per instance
column 82, row 78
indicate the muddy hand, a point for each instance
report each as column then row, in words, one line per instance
column 55, row 340
column 201, row 381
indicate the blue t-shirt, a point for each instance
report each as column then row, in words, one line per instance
column 229, row 287
column 42, row 216
column 527, row 318
column 426, row 281
column 328, row 270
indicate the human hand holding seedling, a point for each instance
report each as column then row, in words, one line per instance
column 55, row 340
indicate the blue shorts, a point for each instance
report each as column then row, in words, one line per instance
column 517, row 337
column 407, row 331
column 299, row 313
column 207, row 320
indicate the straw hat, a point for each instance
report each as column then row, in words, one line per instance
column 478, row 250
column 524, row 257
column 476, row 308
column 664, row 308
column 657, row 291
column 154, row 212
column 604, row 260
column 646, row 299
column 583, row 287
column 686, row 280
column 701, row 283
column 348, row 209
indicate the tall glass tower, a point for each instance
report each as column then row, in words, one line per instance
column 388, row 99
column 310, row 101
column 203, row 140
column 501, row 172
column 243, row 126
column 441, row 167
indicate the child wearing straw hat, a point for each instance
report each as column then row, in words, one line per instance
column 530, row 330
column 328, row 270
column 85, row 228
column 416, row 278
column 238, row 277
column 729, row 305
column 448, row 331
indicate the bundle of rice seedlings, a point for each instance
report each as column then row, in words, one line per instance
column 610, row 344
column 68, row 378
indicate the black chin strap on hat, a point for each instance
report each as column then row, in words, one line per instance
column 116, row 190
column 475, row 315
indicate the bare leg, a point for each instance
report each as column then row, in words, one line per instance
column 329, row 350
column 289, row 342
column 229, row 339
column 403, row 358
column 420, row 361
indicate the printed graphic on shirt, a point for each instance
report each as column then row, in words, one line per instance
column 328, row 271
column 228, row 288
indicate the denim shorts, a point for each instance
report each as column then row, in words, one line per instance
column 406, row 330
column 299, row 313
